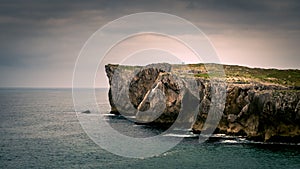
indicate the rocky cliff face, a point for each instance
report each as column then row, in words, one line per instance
column 160, row 94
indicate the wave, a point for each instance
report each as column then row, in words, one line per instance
column 108, row 114
column 181, row 135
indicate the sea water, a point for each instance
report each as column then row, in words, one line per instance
column 39, row 129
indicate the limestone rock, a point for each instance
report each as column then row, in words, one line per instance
column 156, row 94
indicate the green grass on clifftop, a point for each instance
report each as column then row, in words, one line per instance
column 242, row 74
column 236, row 74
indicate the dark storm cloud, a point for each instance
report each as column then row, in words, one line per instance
column 265, row 14
column 33, row 13
column 34, row 9
column 232, row 5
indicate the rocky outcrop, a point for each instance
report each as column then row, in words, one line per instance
column 268, row 115
column 161, row 94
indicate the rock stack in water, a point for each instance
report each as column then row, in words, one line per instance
column 261, row 104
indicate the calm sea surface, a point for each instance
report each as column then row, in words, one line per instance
column 39, row 129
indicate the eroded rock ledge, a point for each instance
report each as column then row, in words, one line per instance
column 259, row 104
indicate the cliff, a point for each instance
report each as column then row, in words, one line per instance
column 261, row 104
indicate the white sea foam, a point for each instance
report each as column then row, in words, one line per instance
column 108, row 114
column 179, row 129
column 181, row 135
column 229, row 141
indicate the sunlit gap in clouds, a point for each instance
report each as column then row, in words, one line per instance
column 143, row 49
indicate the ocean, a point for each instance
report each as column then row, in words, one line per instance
column 40, row 129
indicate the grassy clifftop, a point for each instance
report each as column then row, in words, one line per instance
column 237, row 74
column 241, row 74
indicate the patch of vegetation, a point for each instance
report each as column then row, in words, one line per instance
column 237, row 74
column 126, row 67
column 204, row 75
column 242, row 74
column 282, row 77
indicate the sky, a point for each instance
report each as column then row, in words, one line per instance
column 40, row 40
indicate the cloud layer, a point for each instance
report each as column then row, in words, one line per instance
column 40, row 40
